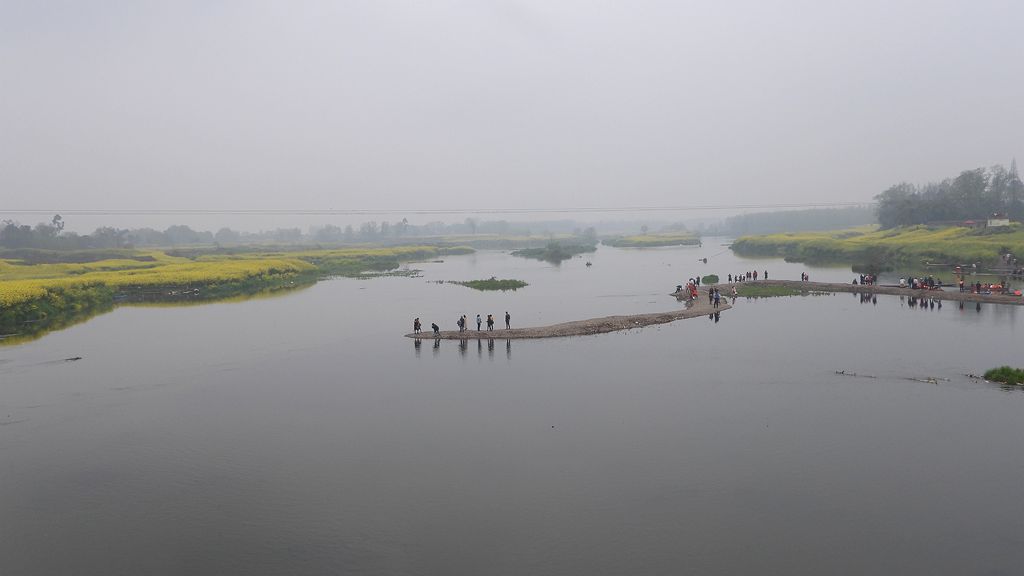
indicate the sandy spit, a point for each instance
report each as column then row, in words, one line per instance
column 581, row 327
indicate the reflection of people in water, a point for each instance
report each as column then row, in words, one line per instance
column 717, row 316
column 978, row 307
column 416, row 346
column 490, row 348
column 463, row 346
column 508, row 348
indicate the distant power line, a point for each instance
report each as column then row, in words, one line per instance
column 429, row 211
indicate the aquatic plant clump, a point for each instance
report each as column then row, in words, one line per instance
column 492, row 284
column 709, row 279
column 555, row 251
column 1006, row 375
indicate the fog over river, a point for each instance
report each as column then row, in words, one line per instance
column 302, row 434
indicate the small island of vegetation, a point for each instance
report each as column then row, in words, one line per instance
column 491, row 283
column 653, row 240
column 1006, row 375
column 556, row 252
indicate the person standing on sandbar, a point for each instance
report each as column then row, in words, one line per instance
column 508, row 320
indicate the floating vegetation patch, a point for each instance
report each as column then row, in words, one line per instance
column 555, row 252
column 491, row 283
column 1006, row 375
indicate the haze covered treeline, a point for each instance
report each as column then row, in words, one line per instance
column 973, row 195
column 51, row 235
column 811, row 220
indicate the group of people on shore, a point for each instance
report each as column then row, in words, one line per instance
column 463, row 324
column 867, row 279
column 979, row 288
column 747, row 276
column 926, row 283
column 714, row 293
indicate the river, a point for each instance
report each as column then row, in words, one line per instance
column 302, row 434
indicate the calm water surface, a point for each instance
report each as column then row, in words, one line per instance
column 304, row 435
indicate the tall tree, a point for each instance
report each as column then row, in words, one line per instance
column 1014, row 193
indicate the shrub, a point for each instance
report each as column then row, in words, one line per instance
column 1006, row 375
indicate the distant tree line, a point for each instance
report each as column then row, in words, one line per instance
column 973, row 195
column 51, row 235
column 794, row 221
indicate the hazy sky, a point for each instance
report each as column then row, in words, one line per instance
column 545, row 103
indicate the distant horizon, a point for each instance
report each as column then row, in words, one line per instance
column 209, row 221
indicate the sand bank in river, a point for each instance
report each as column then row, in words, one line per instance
column 581, row 327
column 701, row 307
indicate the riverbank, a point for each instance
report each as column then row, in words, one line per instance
column 579, row 327
column 37, row 295
column 800, row 287
column 867, row 248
